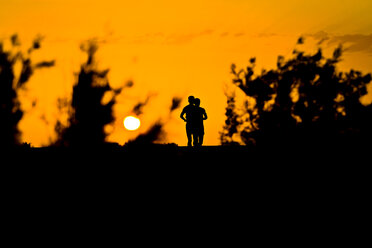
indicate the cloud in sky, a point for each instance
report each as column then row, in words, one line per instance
column 351, row 42
column 355, row 42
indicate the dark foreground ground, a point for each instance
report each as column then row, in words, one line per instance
column 166, row 194
column 210, row 170
column 170, row 157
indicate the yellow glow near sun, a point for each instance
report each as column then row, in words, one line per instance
column 131, row 123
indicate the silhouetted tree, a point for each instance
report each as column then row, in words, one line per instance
column 231, row 123
column 153, row 134
column 10, row 107
column 138, row 108
column 156, row 132
column 176, row 101
column 89, row 114
column 304, row 101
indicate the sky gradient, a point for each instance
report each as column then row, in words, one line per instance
column 172, row 49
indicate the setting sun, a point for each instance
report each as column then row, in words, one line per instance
column 131, row 123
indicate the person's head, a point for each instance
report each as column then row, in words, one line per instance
column 197, row 102
column 191, row 99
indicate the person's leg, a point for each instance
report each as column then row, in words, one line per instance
column 189, row 135
column 201, row 138
column 196, row 132
column 201, row 135
column 195, row 136
column 189, row 138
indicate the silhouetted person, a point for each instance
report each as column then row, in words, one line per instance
column 198, row 116
column 188, row 110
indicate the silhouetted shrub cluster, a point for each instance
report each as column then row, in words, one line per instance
column 90, row 109
column 10, row 107
column 156, row 132
column 89, row 114
column 305, row 101
column 232, row 122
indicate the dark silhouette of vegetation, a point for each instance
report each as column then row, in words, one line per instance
column 304, row 101
column 10, row 106
column 176, row 101
column 89, row 114
column 153, row 134
column 138, row 108
column 156, row 132
column 232, row 122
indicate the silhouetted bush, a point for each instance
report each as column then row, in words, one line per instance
column 10, row 106
column 304, row 101
column 156, row 132
column 88, row 114
column 231, row 123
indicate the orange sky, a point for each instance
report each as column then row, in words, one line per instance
column 172, row 48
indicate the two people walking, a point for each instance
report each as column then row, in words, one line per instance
column 195, row 115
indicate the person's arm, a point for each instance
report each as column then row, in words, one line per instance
column 205, row 115
column 182, row 114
